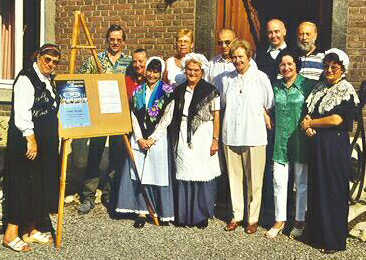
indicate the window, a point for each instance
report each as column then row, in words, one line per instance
column 20, row 36
column 7, row 22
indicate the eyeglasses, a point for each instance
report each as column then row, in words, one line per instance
column 115, row 40
column 333, row 68
column 48, row 60
column 221, row 43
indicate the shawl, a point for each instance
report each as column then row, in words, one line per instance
column 333, row 96
column 148, row 117
column 198, row 111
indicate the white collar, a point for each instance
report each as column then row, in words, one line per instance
column 39, row 73
column 271, row 48
column 249, row 71
column 219, row 58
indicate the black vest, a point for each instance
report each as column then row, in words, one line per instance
column 43, row 100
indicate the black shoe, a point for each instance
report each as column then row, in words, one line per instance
column 139, row 222
column 328, row 251
column 85, row 207
column 202, row 224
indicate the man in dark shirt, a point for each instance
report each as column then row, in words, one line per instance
column 266, row 56
column 266, row 62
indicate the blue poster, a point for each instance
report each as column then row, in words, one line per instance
column 74, row 109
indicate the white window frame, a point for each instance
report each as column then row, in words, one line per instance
column 18, row 38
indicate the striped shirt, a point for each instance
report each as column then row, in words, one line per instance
column 312, row 65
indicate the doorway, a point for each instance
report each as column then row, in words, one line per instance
column 292, row 13
column 231, row 14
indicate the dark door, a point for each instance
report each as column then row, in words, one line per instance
column 31, row 23
column 294, row 12
column 232, row 14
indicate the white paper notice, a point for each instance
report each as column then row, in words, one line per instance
column 109, row 97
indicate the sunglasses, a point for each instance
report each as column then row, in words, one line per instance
column 48, row 60
column 221, row 43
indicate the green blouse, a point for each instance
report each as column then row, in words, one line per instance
column 290, row 140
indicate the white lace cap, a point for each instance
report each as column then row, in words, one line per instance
column 196, row 57
column 343, row 57
column 161, row 61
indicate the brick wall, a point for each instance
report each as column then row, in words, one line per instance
column 356, row 41
column 149, row 24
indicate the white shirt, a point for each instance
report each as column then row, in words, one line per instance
column 275, row 51
column 245, row 97
column 24, row 99
column 219, row 65
column 176, row 74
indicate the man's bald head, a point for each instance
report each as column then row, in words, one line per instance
column 276, row 32
column 225, row 37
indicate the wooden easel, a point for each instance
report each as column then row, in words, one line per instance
column 79, row 19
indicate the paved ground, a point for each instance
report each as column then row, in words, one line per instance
column 97, row 236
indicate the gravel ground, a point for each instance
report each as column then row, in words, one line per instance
column 97, row 236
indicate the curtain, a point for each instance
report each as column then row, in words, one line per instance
column 243, row 19
column 7, row 39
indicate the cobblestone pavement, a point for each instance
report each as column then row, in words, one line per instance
column 97, row 236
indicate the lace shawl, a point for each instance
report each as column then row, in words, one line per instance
column 331, row 96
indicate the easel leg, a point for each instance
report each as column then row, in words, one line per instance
column 66, row 145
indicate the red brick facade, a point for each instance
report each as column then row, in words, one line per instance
column 149, row 24
column 356, row 40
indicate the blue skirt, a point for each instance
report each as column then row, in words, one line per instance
column 195, row 201
column 130, row 199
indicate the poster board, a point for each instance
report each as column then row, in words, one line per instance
column 103, row 111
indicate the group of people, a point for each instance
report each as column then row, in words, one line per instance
column 242, row 114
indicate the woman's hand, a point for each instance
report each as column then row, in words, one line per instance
column 305, row 124
column 32, row 148
column 310, row 132
column 214, row 146
column 150, row 142
column 143, row 143
column 268, row 120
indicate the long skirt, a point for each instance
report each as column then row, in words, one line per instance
column 130, row 199
column 328, row 201
column 32, row 186
column 195, row 201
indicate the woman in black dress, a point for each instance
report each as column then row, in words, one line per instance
column 331, row 108
column 32, row 163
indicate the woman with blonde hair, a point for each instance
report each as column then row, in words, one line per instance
column 174, row 73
